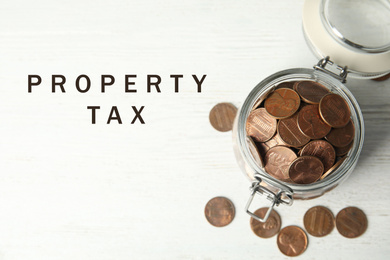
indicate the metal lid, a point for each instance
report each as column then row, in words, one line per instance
column 354, row 33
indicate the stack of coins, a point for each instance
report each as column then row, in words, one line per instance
column 301, row 132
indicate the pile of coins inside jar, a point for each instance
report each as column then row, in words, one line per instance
column 301, row 132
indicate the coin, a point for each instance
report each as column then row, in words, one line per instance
column 260, row 125
column 334, row 110
column 341, row 151
column 318, row 221
column 322, row 150
column 305, row 169
column 311, row 124
column 341, row 137
column 266, row 229
column 351, row 222
column 219, row 211
column 292, row 241
column 290, row 133
column 311, row 91
column 277, row 161
column 222, row 116
column 274, row 141
column 334, row 167
column 385, row 77
column 286, row 84
column 282, row 103
column 254, row 151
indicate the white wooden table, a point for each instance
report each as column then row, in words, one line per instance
column 70, row 189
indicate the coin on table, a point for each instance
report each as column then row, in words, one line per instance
column 341, row 151
column 292, row 241
column 351, row 222
column 322, row 150
column 266, row 229
column 333, row 168
column 277, row 161
column 254, row 151
column 311, row 124
column 341, row 137
column 318, row 221
column 334, row 110
column 306, row 169
column 282, row 103
column 311, row 91
column 222, row 116
column 219, row 211
column 290, row 133
column 260, row 125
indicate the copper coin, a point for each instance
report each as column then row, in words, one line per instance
column 260, row 125
column 341, row 151
column 219, row 211
column 258, row 103
column 305, row 169
column 277, row 160
column 385, row 77
column 334, row 110
column 351, row 222
column 311, row 91
column 290, row 133
column 292, row 241
column 286, row 84
column 318, row 221
column 274, row 141
column 266, row 229
column 311, row 124
column 254, row 151
column 341, row 137
column 282, row 103
column 222, row 116
column 334, row 167
column 322, row 150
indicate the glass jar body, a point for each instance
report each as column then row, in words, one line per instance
column 298, row 191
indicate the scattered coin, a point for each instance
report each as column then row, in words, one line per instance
column 292, row 241
column 351, row 222
column 341, row 137
column 290, row 133
column 260, row 125
column 282, row 103
column 305, row 169
column 254, row 151
column 334, row 167
column 222, row 116
column 266, row 229
column 334, row 110
column 219, row 211
column 322, row 150
column 277, row 161
column 318, row 221
column 311, row 124
column 311, row 91
column 341, row 151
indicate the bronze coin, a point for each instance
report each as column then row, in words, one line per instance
column 334, row 167
column 290, row 133
column 311, row 91
column 222, row 116
column 274, row 141
column 351, row 222
column 385, row 77
column 305, row 169
column 260, row 125
column 322, row 150
column 318, row 221
column 219, row 211
column 254, row 151
column 341, row 137
column 334, row 110
column 341, row 151
column 292, row 241
column 277, row 160
column 258, row 103
column 266, row 229
column 282, row 103
column 311, row 124
column 286, row 84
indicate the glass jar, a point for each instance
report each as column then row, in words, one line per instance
column 325, row 14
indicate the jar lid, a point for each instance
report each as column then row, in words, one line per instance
column 354, row 33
